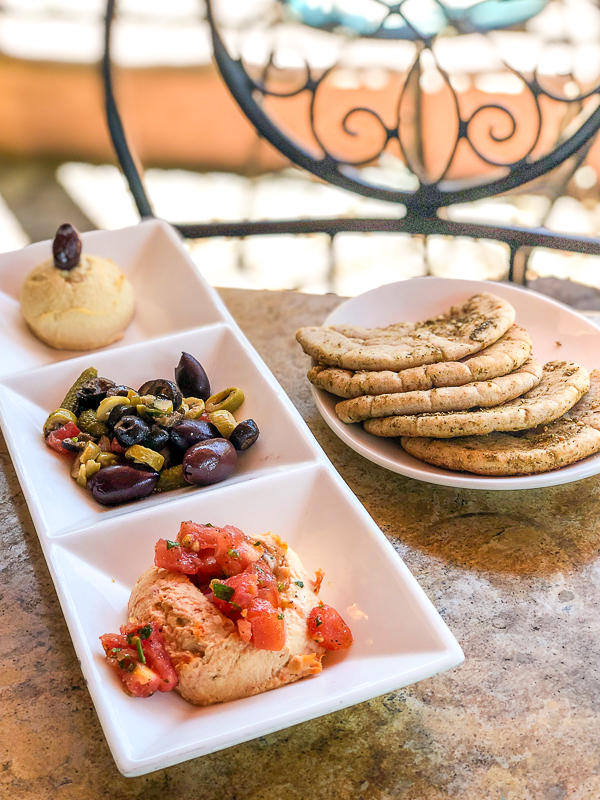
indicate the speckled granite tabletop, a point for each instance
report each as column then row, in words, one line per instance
column 515, row 575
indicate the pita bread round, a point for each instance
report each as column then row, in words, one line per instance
column 506, row 355
column 460, row 332
column 563, row 383
column 481, row 394
column 571, row 438
column 538, row 450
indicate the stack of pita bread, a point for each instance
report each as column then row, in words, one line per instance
column 461, row 390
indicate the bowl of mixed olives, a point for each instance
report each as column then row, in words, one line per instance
column 125, row 443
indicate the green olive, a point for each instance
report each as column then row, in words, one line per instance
column 195, row 407
column 107, row 405
column 107, row 459
column 224, row 422
column 143, row 455
column 227, row 400
column 90, row 452
column 57, row 419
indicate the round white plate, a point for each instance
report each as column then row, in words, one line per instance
column 558, row 333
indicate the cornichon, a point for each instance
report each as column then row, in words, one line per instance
column 70, row 401
column 88, row 422
column 171, row 478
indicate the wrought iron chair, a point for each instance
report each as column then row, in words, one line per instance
column 425, row 202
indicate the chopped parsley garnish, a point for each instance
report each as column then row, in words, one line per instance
column 300, row 584
column 171, row 544
column 222, row 591
column 116, row 649
column 208, row 525
column 232, row 553
column 279, row 616
column 257, row 544
column 140, row 652
column 318, row 621
column 145, row 632
column 280, row 587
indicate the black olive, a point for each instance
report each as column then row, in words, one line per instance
column 91, row 393
column 209, row 462
column 121, row 483
column 244, row 434
column 191, row 431
column 157, row 439
column 130, row 430
column 66, row 247
column 191, row 377
column 118, row 391
column 118, row 412
column 162, row 388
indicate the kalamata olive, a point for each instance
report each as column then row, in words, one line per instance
column 118, row 412
column 92, row 392
column 157, row 439
column 162, row 388
column 244, row 434
column 131, row 430
column 191, row 377
column 119, row 391
column 122, row 483
column 191, row 431
column 66, row 247
column 209, row 462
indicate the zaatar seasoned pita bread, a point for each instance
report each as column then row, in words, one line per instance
column 571, row 438
column 587, row 410
column 481, row 394
column 509, row 353
column 563, row 383
column 460, row 332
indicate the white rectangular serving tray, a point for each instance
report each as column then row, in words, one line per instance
column 284, row 484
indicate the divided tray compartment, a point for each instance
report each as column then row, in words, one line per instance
column 284, row 484
column 170, row 295
column 26, row 399
column 399, row 637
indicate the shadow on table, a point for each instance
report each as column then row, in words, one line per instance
column 533, row 532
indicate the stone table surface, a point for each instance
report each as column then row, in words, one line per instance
column 514, row 574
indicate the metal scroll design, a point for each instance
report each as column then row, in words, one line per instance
column 431, row 194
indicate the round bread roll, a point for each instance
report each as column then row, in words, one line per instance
column 79, row 309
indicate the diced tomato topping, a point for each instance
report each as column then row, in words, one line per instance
column 176, row 558
column 245, row 591
column 155, row 652
column 55, row 439
column 268, row 629
column 145, row 673
column 328, row 628
column 234, row 552
column 138, row 680
column 204, row 535
column 266, row 579
column 245, row 630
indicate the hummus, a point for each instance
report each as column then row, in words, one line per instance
column 212, row 662
column 78, row 309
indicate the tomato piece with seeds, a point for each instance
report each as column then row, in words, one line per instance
column 328, row 628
